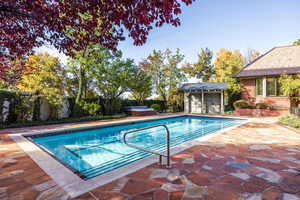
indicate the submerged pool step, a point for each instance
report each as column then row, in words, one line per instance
column 139, row 154
column 108, row 166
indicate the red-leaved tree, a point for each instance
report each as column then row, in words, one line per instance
column 73, row 24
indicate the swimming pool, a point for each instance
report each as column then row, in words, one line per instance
column 90, row 153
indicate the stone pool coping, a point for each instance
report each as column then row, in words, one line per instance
column 73, row 184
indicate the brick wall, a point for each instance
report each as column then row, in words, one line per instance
column 275, row 101
column 248, row 93
column 260, row 112
column 248, row 89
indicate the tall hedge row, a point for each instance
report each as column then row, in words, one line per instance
column 26, row 106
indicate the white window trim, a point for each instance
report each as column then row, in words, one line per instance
column 262, row 95
column 264, row 85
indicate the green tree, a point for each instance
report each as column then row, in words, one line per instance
column 112, row 76
column 43, row 74
column 141, row 86
column 79, row 69
column 297, row 42
column 227, row 64
column 102, row 71
column 175, row 100
column 290, row 86
column 203, row 69
column 174, row 73
column 164, row 68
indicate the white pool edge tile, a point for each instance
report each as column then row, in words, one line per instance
column 76, row 186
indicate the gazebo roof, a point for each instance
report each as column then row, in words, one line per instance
column 207, row 86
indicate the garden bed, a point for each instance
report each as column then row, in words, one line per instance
column 291, row 121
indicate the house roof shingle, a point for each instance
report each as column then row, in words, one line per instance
column 204, row 86
column 278, row 60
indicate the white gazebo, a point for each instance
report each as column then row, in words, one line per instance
column 205, row 97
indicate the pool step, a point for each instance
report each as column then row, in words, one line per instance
column 133, row 157
column 124, row 160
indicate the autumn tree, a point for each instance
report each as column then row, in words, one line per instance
column 31, row 24
column 227, row 64
column 164, row 68
column 297, row 42
column 43, row 74
column 141, row 86
column 203, row 69
column 10, row 76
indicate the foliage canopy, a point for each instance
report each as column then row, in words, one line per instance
column 164, row 68
column 290, row 86
column 141, row 87
column 227, row 64
column 72, row 25
column 203, row 69
column 43, row 74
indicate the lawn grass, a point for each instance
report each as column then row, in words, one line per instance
column 290, row 120
column 61, row 121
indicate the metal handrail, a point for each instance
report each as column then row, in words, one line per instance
column 149, row 151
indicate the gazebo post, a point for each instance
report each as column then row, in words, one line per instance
column 222, row 101
column 202, row 101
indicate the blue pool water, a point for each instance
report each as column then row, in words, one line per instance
column 94, row 152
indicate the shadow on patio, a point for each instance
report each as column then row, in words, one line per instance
column 254, row 161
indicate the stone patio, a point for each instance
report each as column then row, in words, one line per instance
column 259, row 160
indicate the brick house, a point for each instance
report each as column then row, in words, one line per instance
column 259, row 79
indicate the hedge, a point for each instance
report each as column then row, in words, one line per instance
column 11, row 96
column 28, row 104
column 60, row 121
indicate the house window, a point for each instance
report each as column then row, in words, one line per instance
column 271, row 86
column 279, row 89
column 259, row 86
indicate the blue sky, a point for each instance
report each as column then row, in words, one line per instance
column 230, row 24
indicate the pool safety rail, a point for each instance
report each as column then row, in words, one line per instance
column 149, row 151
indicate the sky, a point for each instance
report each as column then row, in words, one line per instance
column 229, row 24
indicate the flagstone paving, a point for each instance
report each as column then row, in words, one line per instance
column 257, row 161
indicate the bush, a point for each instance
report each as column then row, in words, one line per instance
column 231, row 97
column 156, row 107
column 92, row 109
column 290, row 120
column 111, row 106
column 262, row 106
column 84, row 108
column 242, row 104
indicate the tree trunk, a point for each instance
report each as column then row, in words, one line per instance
column 81, row 85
